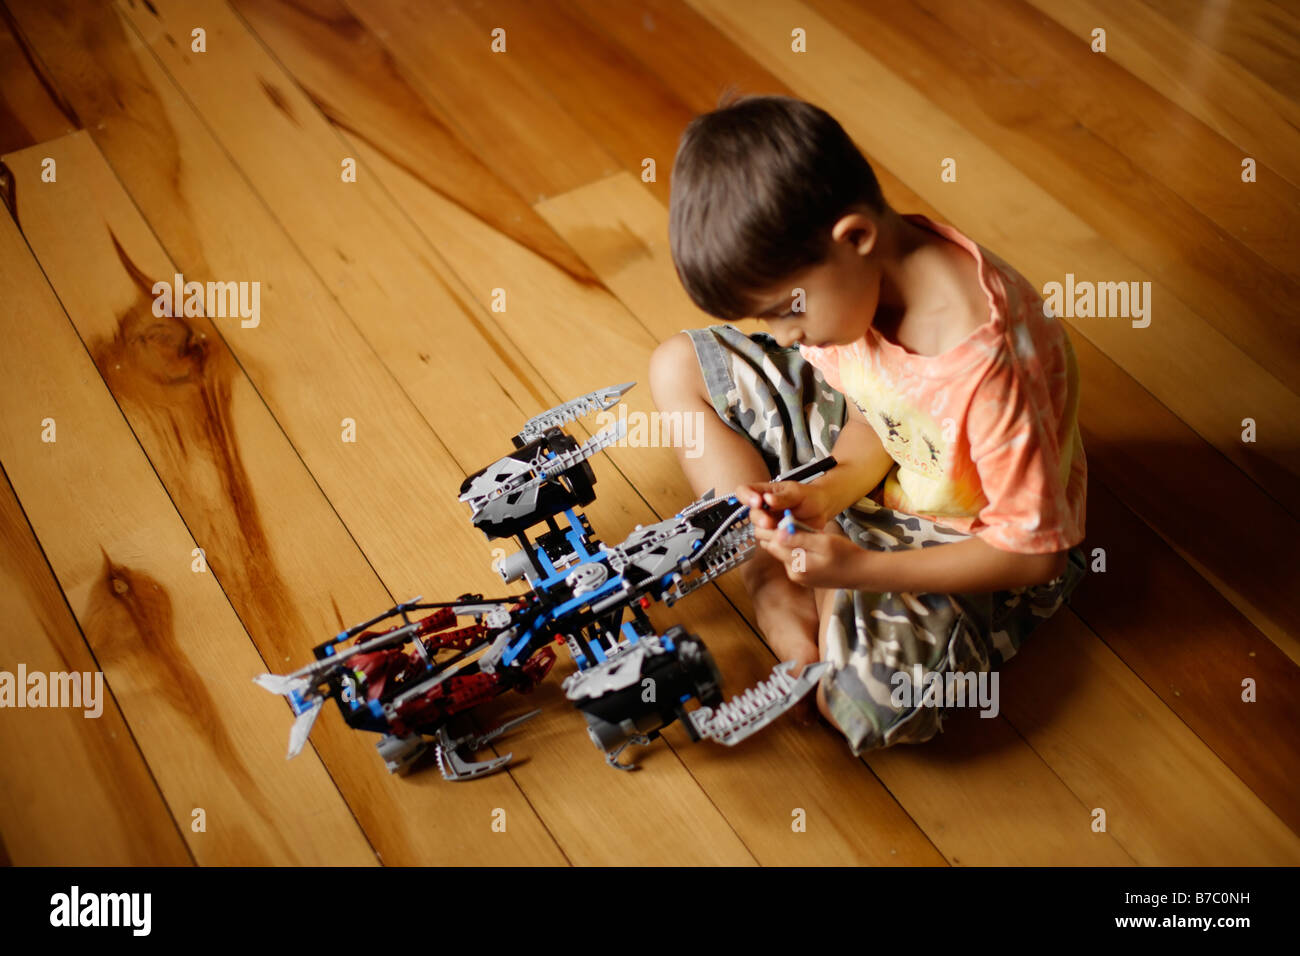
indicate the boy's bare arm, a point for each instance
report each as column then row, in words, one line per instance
column 861, row 463
column 971, row 566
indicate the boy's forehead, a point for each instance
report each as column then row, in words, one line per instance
column 779, row 296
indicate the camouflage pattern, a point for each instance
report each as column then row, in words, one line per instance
column 784, row 407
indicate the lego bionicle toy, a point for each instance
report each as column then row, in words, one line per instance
column 414, row 679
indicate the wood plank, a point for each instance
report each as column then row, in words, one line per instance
column 1020, row 222
column 30, row 109
column 122, row 557
column 667, row 37
column 1169, row 800
column 244, row 494
column 1261, row 37
column 76, row 791
column 1165, row 473
column 1123, row 159
column 978, row 783
column 452, row 62
column 620, row 102
column 312, row 37
column 1205, row 82
column 1193, row 649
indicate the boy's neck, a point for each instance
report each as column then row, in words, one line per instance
column 923, row 294
column 896, row 242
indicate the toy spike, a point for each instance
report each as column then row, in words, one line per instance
column 601, row 399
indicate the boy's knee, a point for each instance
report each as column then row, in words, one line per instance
column 675, row 373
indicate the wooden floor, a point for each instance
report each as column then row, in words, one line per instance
column 523, row 171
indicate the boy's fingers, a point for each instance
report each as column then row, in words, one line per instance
column 772, row 546
column 784, row 494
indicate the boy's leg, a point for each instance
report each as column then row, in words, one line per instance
column 735, row 389
column 872, row 639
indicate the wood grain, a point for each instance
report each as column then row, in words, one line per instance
column 76, row 790
column 31, row 109
column 167, row 640
column 1201, row 79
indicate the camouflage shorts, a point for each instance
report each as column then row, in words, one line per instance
column 784, row 407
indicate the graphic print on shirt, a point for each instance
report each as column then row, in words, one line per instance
column 912, row 437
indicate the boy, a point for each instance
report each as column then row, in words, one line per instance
column 950, row 526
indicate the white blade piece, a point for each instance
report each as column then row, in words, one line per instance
column 278, row 684
column 302, row 727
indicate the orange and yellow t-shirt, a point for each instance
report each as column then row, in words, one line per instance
column 985, row 436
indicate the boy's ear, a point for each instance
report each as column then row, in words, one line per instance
column 857, row 229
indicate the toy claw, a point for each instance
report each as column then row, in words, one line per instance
column 455, row 767
column 611, row 756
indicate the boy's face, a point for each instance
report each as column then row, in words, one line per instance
column 840, row 295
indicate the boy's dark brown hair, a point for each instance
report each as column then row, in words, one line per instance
column 756, row 187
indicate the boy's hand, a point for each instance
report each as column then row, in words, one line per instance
column 806, row 502
column 815, row 560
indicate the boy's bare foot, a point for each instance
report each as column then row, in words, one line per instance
column 786, row 615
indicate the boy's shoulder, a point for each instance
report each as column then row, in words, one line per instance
column 979, row 290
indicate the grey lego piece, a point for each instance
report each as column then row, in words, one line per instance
column 504, row 490
column 621, row 669
column 732, row 549
column 586, row 577
column 602, row 399
column 455, row 767
column 515, row 566
column 400, row 752
column 658, row 548
column 743, row 716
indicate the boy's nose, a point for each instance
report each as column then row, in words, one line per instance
column 785, row 338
